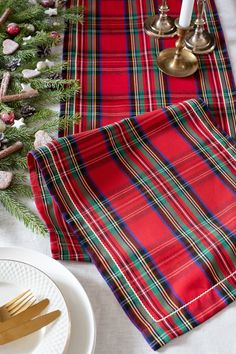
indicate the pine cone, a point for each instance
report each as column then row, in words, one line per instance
column 27, row 111
column 43, row 50
column 54, row 76
column 13, row 64
column 3, row 142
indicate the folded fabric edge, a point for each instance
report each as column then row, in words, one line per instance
column 63, row 243
column 37, row 165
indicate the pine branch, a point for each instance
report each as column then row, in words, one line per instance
column 4, row 107
column 26, row 54
column 58, row 67
column 28, row 14
column 18, row 162
column 41, row 38
column 69, row 121
column 49, row 126
column 51, row 24
column 56, row 84
column 18, row 210
column 42, row 114
column 19, row 177
column 16, row 5
column 15, row 134
column 22, row 190
column 73, row 15
column 54, row 96
column 50, row 90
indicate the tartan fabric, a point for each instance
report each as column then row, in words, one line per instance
column 116, row 64
column 151, row 199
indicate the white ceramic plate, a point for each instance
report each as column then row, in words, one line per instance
column 17, row 277
column 83, row 329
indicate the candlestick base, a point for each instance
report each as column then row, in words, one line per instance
column 158, row 26
column 200, row 42
column 185, row 65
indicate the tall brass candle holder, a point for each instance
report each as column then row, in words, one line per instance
column 160, row 25
column 178, row 62
column 200, row 41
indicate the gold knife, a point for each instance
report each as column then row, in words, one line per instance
column 28, row 327
column 24, row 316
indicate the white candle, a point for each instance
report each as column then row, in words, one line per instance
column 186, row 13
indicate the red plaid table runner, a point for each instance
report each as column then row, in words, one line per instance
column 116, row 64
column 151, row 199
column 148, row 199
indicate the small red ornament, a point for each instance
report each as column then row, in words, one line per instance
column 13, row 29
column 55, row 35
column 8, row 117
column 48, row 3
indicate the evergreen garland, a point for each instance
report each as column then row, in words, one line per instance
column 50, row 85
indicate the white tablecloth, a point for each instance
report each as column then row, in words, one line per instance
column 115, row 333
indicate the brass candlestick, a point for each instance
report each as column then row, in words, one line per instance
column 160, row 25
column 178, row 62
column 200, row 41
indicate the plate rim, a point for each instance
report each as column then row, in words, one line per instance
column 30, row 254
column 48, row 277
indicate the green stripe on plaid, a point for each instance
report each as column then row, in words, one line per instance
column 148, row 87
column 175, row 275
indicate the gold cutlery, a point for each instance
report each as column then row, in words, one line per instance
column 17, row 305
column 28, row 327
column 24, row 316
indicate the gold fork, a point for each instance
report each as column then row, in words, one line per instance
column 17, row 305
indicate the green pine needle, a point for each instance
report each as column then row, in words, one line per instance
column 21, row 212
column 50, row 90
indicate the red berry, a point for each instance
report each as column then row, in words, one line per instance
column 13, row 29
column 47, row 3
column 8, row 117
column 54, row 35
